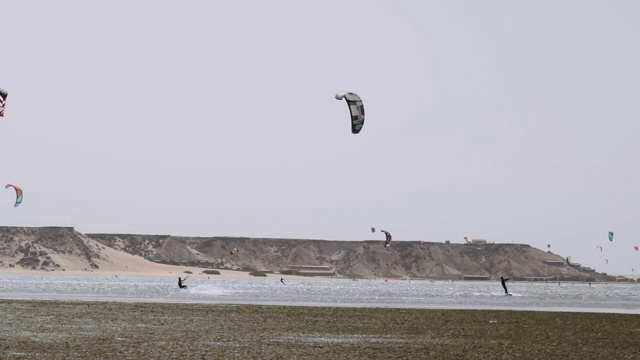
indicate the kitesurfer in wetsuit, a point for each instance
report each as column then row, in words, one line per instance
column 504, row 285
column 282, row 280
column 180, row 284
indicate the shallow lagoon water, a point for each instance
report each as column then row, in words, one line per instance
column 599, row 297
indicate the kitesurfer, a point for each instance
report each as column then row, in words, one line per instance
column 504, row 285
column 180, row 284
column 282, row 280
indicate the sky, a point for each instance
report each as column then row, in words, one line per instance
column 510, row 121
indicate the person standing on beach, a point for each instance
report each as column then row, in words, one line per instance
column 180, row 284
column 504, row 284
column 282, row 280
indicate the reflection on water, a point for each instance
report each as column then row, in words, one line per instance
column 620, row 298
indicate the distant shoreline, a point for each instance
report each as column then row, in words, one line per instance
column 54, row 249
column 177, row 272
column 197, row 273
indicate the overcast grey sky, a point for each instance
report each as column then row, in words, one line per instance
column 510, row 121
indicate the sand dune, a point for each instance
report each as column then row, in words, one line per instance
column 123, row 264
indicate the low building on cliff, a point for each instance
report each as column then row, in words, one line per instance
column 310, row 270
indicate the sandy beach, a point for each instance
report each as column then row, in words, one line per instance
column 109, row 330
column 123, row 264
column 170, row 272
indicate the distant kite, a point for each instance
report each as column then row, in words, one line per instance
column 387, row 235
column 18, row 193
column 466, row 239
column 373, row 229
column 599, row 247
column 610, row 235
column 356, row 108
column 3, row 101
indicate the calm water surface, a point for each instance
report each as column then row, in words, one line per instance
column 599, row 297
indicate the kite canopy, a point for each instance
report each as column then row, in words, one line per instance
column 599, row 247
column 610, row 235
column 356, row 108
column 387, row 235
column 18, row 193
column 3, row 100
column 373, row 229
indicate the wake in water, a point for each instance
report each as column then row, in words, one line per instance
column 209, row 289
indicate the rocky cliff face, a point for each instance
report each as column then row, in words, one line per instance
column 45, row 248
column 361, row 259
column 42, row 248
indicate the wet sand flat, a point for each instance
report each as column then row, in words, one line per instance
column 116, row 330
